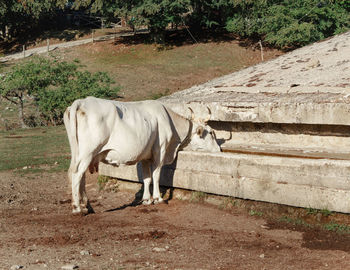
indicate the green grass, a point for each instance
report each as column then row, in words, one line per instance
column 323, row 212
column 294, row 221
column 38, row 149
column 256, row 213
column 339, row 228
column 198, row 196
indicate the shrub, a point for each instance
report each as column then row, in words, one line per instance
column 52, row 85
column 288, row 24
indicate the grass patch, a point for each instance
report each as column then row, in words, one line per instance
column 256, row 213
column 107, row 183
column 323, row 212
column 198, row 196
column 339, row 228
column 294, row 221
column 36, row 149
column 102, row 180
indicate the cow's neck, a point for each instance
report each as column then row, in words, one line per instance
column 187, row 139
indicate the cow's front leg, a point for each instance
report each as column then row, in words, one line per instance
column 146, row 175
column 156, row 193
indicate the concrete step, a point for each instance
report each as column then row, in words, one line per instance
column 302, row 182
column 311, row 153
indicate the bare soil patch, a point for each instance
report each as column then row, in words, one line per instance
column 38, row 231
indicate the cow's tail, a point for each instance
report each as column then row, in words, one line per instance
column 71, row 124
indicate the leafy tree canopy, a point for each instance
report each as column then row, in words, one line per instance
column 288, row 23
column 280, row 23
column 52, row 85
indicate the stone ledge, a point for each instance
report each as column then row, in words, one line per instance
column 315, row 183
column 328, row 107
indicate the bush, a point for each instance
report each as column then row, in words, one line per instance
column 288, row 24
column 52, row 85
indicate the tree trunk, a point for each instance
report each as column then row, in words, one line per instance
column 21, row 113
column 157, row 35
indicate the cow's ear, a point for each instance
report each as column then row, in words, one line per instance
column 199, row 131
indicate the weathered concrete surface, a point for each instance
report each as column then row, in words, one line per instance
column 268, row 105
column 285, row 127
column 310, row 85
column 315, row 183
column 325, row 63
column 299, row 140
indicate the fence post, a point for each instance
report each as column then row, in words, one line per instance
column 92, row 35
column 24, row 51
column 48, row 44
column 261, row 50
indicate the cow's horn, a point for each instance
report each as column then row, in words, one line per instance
column 192, row 114
column 209, row 115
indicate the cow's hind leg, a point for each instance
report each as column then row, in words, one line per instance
column 146, row 175
column 80, row 202
column 87, row 208
column 156, row 193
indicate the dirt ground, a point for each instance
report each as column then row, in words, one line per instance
column 37, row 231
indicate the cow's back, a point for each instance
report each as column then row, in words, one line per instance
column 128, row 131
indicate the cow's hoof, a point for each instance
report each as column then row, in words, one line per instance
column 147, row 202
column 158, row 200
column 76, row 211
column 80, row 211
column 84, row 211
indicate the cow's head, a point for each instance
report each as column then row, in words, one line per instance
column 203, row 137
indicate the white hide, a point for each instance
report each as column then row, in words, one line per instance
column 126, row 133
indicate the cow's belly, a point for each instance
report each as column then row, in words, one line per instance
column 128, row 149
column 131, row 139
column 116, row 157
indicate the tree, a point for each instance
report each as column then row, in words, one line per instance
column 52, row 85
column 155, row 14
column 17, row 16
column 209, row 14
column 288, row 24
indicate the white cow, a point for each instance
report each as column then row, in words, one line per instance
column 126, row 133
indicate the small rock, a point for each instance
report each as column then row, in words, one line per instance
column 157, row 249
column 262, row 256
column 25, row 167
column 314, row 63
column 15, row 267
column 84, row 252
column 69, row 267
